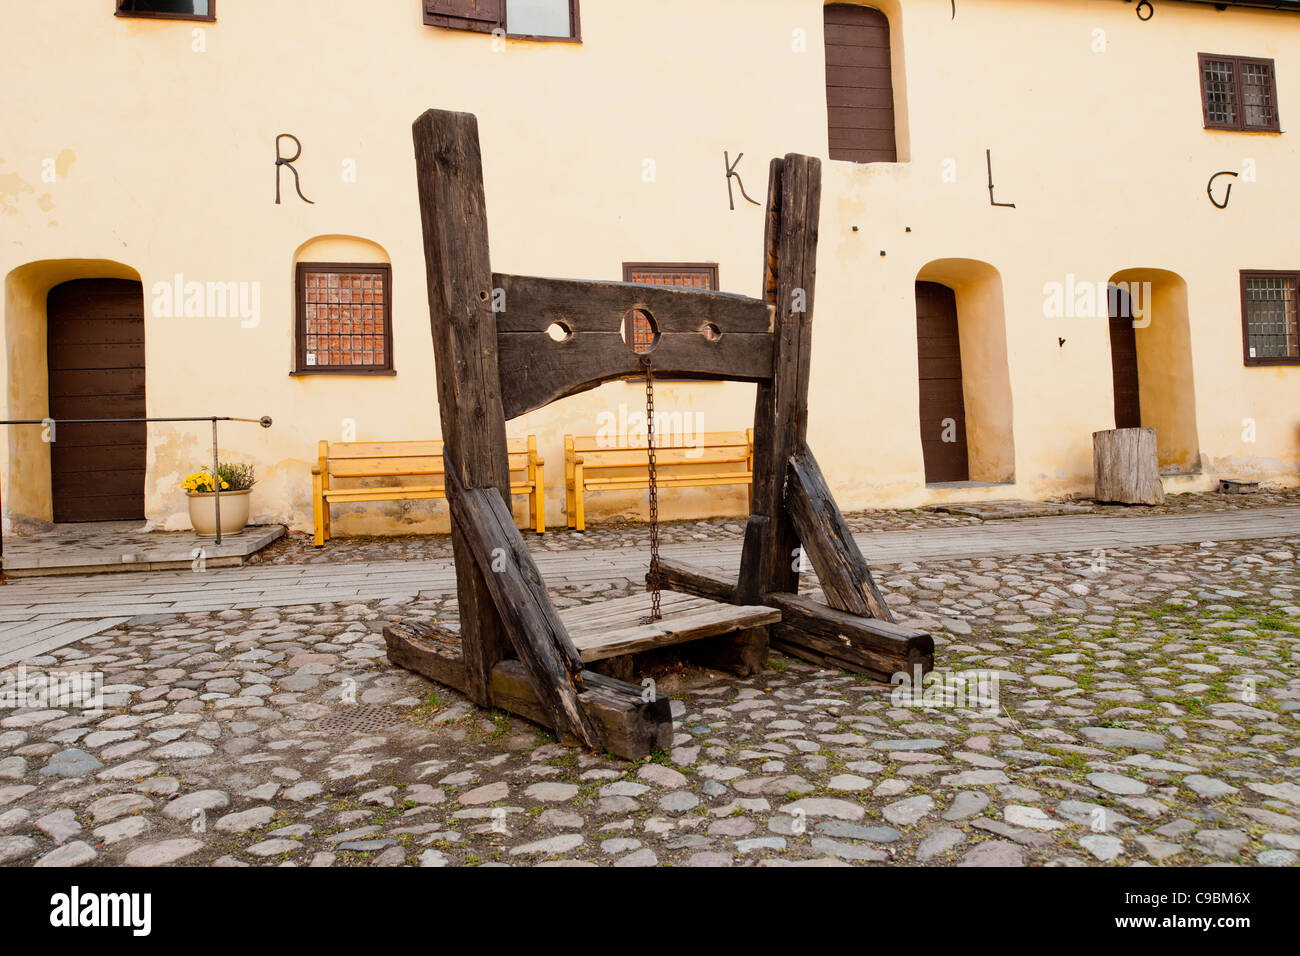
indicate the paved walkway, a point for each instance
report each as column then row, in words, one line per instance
column 40, row 614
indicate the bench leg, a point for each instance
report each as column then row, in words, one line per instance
column 579, row 522
column 318, row 505
column 539, row 503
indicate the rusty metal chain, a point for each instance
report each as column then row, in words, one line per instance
column 653, row 578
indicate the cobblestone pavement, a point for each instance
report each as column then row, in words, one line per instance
column 296, row 547
column 1148, row 715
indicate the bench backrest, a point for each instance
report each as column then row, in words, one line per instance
column 391, row 459
column 705, row 448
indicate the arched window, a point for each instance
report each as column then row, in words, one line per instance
column 859, row 85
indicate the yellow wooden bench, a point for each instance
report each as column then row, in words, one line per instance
column 405, row 459
column 591, row 464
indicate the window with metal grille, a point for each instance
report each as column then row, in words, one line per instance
column 344, row 318
column 1238, row 92
column 525, row 19
column 1268, row 317
column 691, row 275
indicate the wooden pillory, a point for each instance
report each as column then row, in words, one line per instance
column 497, row 360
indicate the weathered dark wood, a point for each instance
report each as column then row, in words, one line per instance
column 426, row 649
column 453, row 214
column 841, row 569
column 743, row 653
column 781, row 407
column 824, row 635
column 536, row 369
column 620, row 626
column 531, row 621
column 532, row 303
column 754, row 560
column 622, row 721
column 1126, row 467
column 688, row 579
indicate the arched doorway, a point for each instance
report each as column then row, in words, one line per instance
column 95, row 354
column 963, row 374
column 1151, row 363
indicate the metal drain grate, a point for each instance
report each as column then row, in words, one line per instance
column 361, row 719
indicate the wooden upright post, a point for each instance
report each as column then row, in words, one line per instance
column 769, row 561
column 453, row 212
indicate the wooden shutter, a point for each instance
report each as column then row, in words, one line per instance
column 859, row 85
column 481, row 16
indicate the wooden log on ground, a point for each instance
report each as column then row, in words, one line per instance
column 424, row 648
column 1125, row 466
column 842, row 570
column 453, row 215
column 622, row 721
column 531, row 621
column 781, row 407
column 824, row 635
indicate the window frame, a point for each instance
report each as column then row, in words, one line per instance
column 486, row 26
column 1246, row 275
column 211, row 16
column 701, row 268
column 300, row 366
column 1237, row 93
column 705, row 268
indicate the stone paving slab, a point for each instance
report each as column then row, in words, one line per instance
column 89, row 548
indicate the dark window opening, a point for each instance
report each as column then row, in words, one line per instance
column 1268, row 318
column 168, row 9
column 344, row 318
column 524, row 19
column 1238, row 93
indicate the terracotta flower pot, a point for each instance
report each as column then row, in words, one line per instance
column 234, row 512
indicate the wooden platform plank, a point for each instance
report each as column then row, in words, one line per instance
column 614, row 628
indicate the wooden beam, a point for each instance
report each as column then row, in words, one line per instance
column 453, row 215
column 531, row 621
column 536, row 369
column 781, row 406
column 686, row 578
column 532, row 303
column 824, row 635
column 842, row 570
column 622, row 721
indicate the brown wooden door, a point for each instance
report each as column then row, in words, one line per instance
column 1124, row 361
column 859, row 85
column 96, row 359
column 943, row 409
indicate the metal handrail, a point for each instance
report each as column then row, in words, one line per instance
column 264, row 421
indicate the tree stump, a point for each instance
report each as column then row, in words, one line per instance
column 1125, row 467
